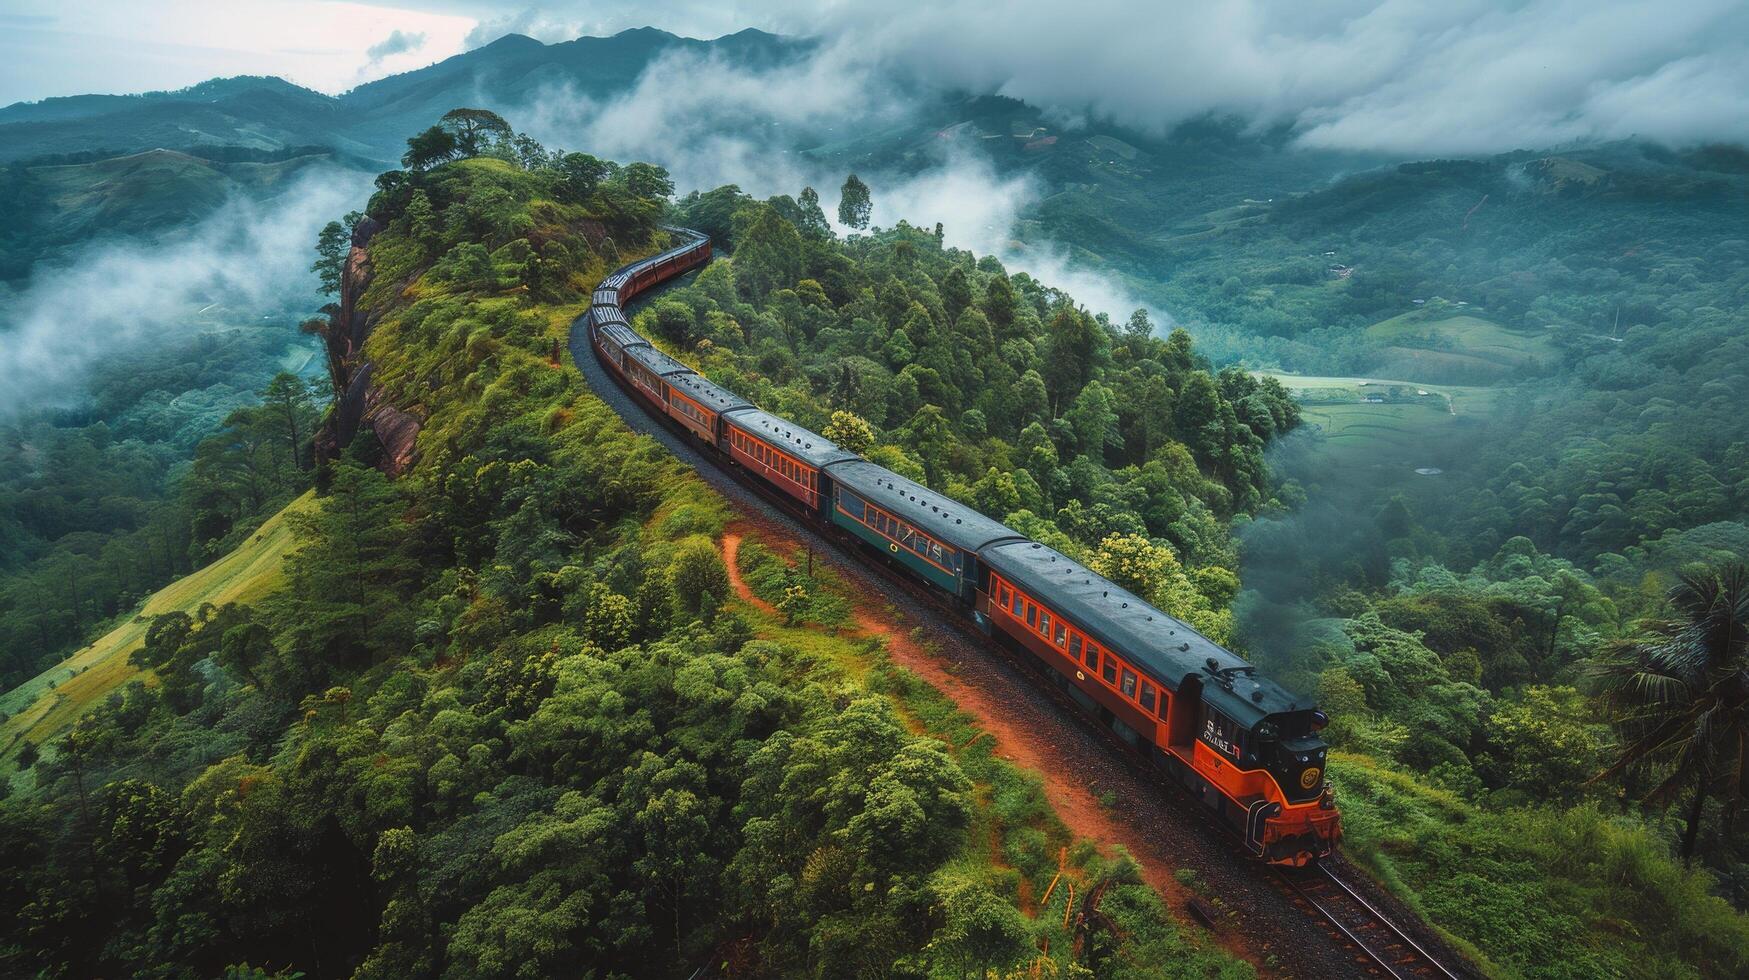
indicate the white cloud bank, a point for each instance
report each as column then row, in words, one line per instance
column 114, row 298
column 727, row 125
column 1395, row 76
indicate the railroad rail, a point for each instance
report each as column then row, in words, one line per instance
column 1382, row 948
column 1379, row 946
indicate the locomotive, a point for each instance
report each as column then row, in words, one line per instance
column 1242, row 745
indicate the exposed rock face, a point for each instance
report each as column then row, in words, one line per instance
column 362, row 405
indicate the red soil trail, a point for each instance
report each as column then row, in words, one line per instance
column 1028, row 748
column 732, row 551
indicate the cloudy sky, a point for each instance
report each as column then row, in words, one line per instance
column 1459, row 76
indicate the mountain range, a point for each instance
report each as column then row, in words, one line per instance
column 370, row 122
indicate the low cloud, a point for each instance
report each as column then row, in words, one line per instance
column 1417, row 79
column 729, row 125
column 1463, row 77
column 114, row 298
column 398, row 42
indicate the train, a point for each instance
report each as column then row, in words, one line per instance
column 1244, row 746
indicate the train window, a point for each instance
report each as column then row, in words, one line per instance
column 1091, row 657
column 1016, row 603
column 1165, row 704
column 1110, row 671
column 1059, row 636
column 1147, row 696
column 1031, row 614
column 1129, row 684
column 1044, row 624
column 1223, row 733
column 1075, row 646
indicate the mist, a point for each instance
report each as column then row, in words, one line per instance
column 113, row 298
column 730, row 125
column 1465, row 77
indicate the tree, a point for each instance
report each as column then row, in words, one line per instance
column 1000, row 305
column 289, row 399
column 1072, row 347
column 767, row 255
column 474, row 130
column 697, row 577
column 580, row 175
column 423, row 225
column 1135, row 563
column 956, row 293
column 854, row 203
column 1680, row 693
column 430, row 148
column 647, row 180
column 850, row 431
column 813, row 223
column 1549, row 742
column 331, row 247
column 1093, row 416
column 1139, row 327
column 351, row 576
column 931, row 435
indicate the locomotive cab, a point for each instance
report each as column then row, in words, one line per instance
column 1288, row 746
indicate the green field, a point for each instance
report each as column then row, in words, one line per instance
column 1441, row 341
column 1389, row 441
column 49, row 703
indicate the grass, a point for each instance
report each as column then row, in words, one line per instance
column 1400, row 428
column 1439, row 341
column 1016, row 845
column 49, row 704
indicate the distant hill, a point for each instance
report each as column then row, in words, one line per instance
column 371, row 121
column 53, row 207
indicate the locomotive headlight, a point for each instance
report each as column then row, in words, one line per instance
column 1305, row 758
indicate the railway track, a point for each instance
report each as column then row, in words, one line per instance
column 1378, row 947
column 1381, row 948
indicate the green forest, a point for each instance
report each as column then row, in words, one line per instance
column 502, row 718
column 506, row 715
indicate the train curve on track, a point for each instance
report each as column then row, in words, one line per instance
column 1266, row 920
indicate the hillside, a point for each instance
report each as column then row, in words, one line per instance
column 43, row 708
column 61, row 207
column 517, row 682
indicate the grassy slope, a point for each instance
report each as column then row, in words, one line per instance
column 1016, row 842
column 49, row 703
column 1440, row 338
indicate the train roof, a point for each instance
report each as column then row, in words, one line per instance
column 708, row 393
column 933, row 513
column 656, row 361
column 684, row 246
column 1165, row 647
column 604, row 296
column 604, row 315
column 622, row 335
column 810, row 447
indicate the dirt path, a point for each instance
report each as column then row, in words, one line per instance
column 1026, row 747
column 1157, row 825
column 732, row 551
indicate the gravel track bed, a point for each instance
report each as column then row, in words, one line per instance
column 1157, row 823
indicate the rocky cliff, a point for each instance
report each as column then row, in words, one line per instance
column 361, row 405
